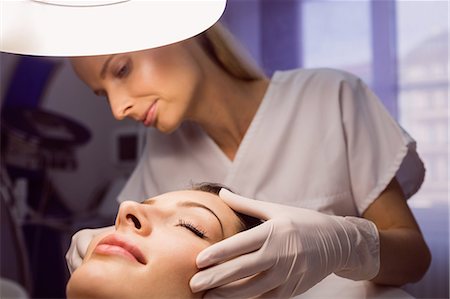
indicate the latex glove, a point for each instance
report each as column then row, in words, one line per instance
column 79, row 245
column 290, row 252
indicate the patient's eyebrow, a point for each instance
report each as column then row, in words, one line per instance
column 192, row 204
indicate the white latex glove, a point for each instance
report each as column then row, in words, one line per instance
column 290, row 252
column 79, row 245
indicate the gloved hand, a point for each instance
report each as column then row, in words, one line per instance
column 79, row 245
column 290, row 252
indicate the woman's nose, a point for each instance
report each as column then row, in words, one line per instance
column 132, row 216
column 121, row 106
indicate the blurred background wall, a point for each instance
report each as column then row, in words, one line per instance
column 400, row 48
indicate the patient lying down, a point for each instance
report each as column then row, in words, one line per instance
column 152, row 250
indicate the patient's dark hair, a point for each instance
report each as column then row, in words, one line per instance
column 247, row 222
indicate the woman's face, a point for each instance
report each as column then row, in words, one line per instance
column 152, row 252
column 155, row 86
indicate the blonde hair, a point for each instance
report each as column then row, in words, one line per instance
column 220, row 44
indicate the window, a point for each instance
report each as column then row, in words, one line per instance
column 423, row 89
column 414, row 53
column 333, row 39
column 422, row 39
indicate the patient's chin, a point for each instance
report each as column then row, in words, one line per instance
column 89, row 281
column 118, row 278
column 80, row 288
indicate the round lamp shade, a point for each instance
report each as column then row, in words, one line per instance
column 98, row 27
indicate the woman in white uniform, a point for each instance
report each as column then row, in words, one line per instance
column 313, row 139
column 314, row 152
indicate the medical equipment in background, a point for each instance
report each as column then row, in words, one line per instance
column 77, row 28
column 36, row 141
column 14, row 264
column 127, row 145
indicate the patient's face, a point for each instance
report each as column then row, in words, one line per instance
column 152, row 252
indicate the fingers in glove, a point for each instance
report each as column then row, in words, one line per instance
column 73, row 260
column 239, row 244
column 79, row 245
column 250, row 287
column 230, row 271
column 255, row 208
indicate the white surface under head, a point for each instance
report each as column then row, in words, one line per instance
column 98, row 27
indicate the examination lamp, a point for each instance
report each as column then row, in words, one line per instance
column 98, row 27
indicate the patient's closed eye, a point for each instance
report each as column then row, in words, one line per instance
column 136, row 221
column 194, row 229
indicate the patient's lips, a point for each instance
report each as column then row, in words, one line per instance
column 116, row 245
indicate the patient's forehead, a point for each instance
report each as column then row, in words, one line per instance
column 192, row 195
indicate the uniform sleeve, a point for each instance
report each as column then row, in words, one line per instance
column 378, row 149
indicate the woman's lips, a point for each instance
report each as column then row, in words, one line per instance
column 115, row 245
column 150, row 117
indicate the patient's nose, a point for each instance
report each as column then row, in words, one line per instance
column 132, row 216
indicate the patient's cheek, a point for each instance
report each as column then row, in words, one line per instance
column 179, row 264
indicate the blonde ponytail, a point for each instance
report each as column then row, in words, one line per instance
column 228, row 52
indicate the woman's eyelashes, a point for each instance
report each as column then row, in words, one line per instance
column 123, row 70
column 198, row 231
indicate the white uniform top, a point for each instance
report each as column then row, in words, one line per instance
column 320, row 140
